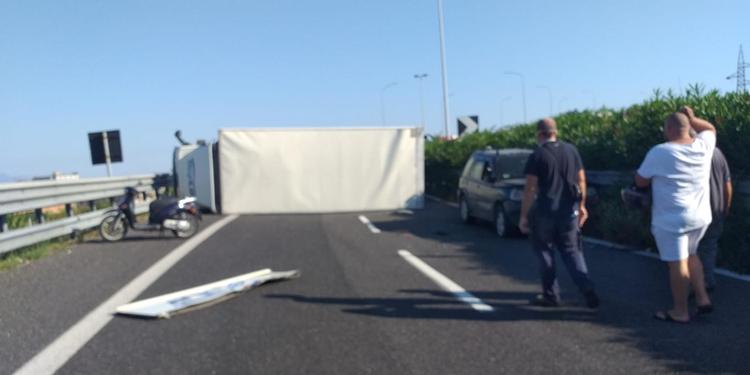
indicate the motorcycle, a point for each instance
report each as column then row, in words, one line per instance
column 181, row 216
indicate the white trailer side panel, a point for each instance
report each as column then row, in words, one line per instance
column 320, row 170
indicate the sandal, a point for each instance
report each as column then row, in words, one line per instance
column 664, row 316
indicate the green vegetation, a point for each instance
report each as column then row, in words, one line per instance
column 19, row 220
column 40, row 250
column 618, row 139
column 33, row 252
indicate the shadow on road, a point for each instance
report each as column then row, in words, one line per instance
column 631, row 289
column 137, row 238
column 441, row 305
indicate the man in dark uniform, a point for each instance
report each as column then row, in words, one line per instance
column 721, row 199
column 554, row 172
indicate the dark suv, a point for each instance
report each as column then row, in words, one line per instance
column 491, row 188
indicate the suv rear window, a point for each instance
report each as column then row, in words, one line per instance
column 510, row 166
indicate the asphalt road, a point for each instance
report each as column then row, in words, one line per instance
column 359, row 307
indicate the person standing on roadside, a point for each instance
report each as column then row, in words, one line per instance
column 555, row 174
column 678, row 172
column 721, row 200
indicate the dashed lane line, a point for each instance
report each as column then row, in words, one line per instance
column 447, row 284
column 367, row 222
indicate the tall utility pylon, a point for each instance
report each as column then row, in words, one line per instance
column 740, row 75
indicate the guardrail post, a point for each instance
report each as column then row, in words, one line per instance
column 69, row 210
column 92, row 206
column 3, row 224
column 39, row 216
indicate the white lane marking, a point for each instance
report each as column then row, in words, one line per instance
column 733, row 275
column 65, row 346
column 650, row 254
column 443, row 201
column 643, row 253
column 367, row 222
column 646, row 254
column 445, row 283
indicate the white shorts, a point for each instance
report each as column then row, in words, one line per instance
column 677, row 246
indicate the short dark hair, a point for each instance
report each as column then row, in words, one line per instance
column 546, row 126
column 678, row 121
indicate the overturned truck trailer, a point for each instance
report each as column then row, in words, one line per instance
column 320, row 170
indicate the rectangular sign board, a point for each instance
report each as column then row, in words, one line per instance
column 96, row 144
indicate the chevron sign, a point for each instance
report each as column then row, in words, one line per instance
column 468, row 125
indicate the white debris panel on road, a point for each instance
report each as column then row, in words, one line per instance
column 321, row 170
column 165, row 306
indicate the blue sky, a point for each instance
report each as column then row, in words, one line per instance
column 149, row 68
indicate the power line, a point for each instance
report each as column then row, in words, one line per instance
column 740, row 74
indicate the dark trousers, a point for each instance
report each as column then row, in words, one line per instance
column 561, row 232
column 708, row 248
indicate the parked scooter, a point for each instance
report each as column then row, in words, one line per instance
column 181, row 216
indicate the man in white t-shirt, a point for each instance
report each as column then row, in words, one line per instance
column 678, row 172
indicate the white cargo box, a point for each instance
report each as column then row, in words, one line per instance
column 321, row 170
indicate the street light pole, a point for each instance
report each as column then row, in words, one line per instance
column 442, row 66
column 523, row 92
column 549, row 91
column 505, row 99
column 382, row 100
column 420, row 77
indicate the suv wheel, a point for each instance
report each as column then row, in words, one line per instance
column 463, row 211
column 503, row 226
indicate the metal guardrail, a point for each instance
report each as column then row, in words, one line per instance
column 26, row 196
column 36, row 195
column 609, row 178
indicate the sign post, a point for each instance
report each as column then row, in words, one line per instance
column 106, row 154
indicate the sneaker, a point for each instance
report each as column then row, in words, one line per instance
column 592, row 300
column 543, row 301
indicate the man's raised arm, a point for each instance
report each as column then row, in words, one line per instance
column 698, row 124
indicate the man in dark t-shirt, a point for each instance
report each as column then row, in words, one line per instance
column 721, row 199
column 554, row 172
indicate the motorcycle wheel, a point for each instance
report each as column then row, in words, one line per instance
column 191, row 230
column 113, row 228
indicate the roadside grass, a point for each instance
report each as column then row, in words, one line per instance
column 34, row 252
column 28, row 254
